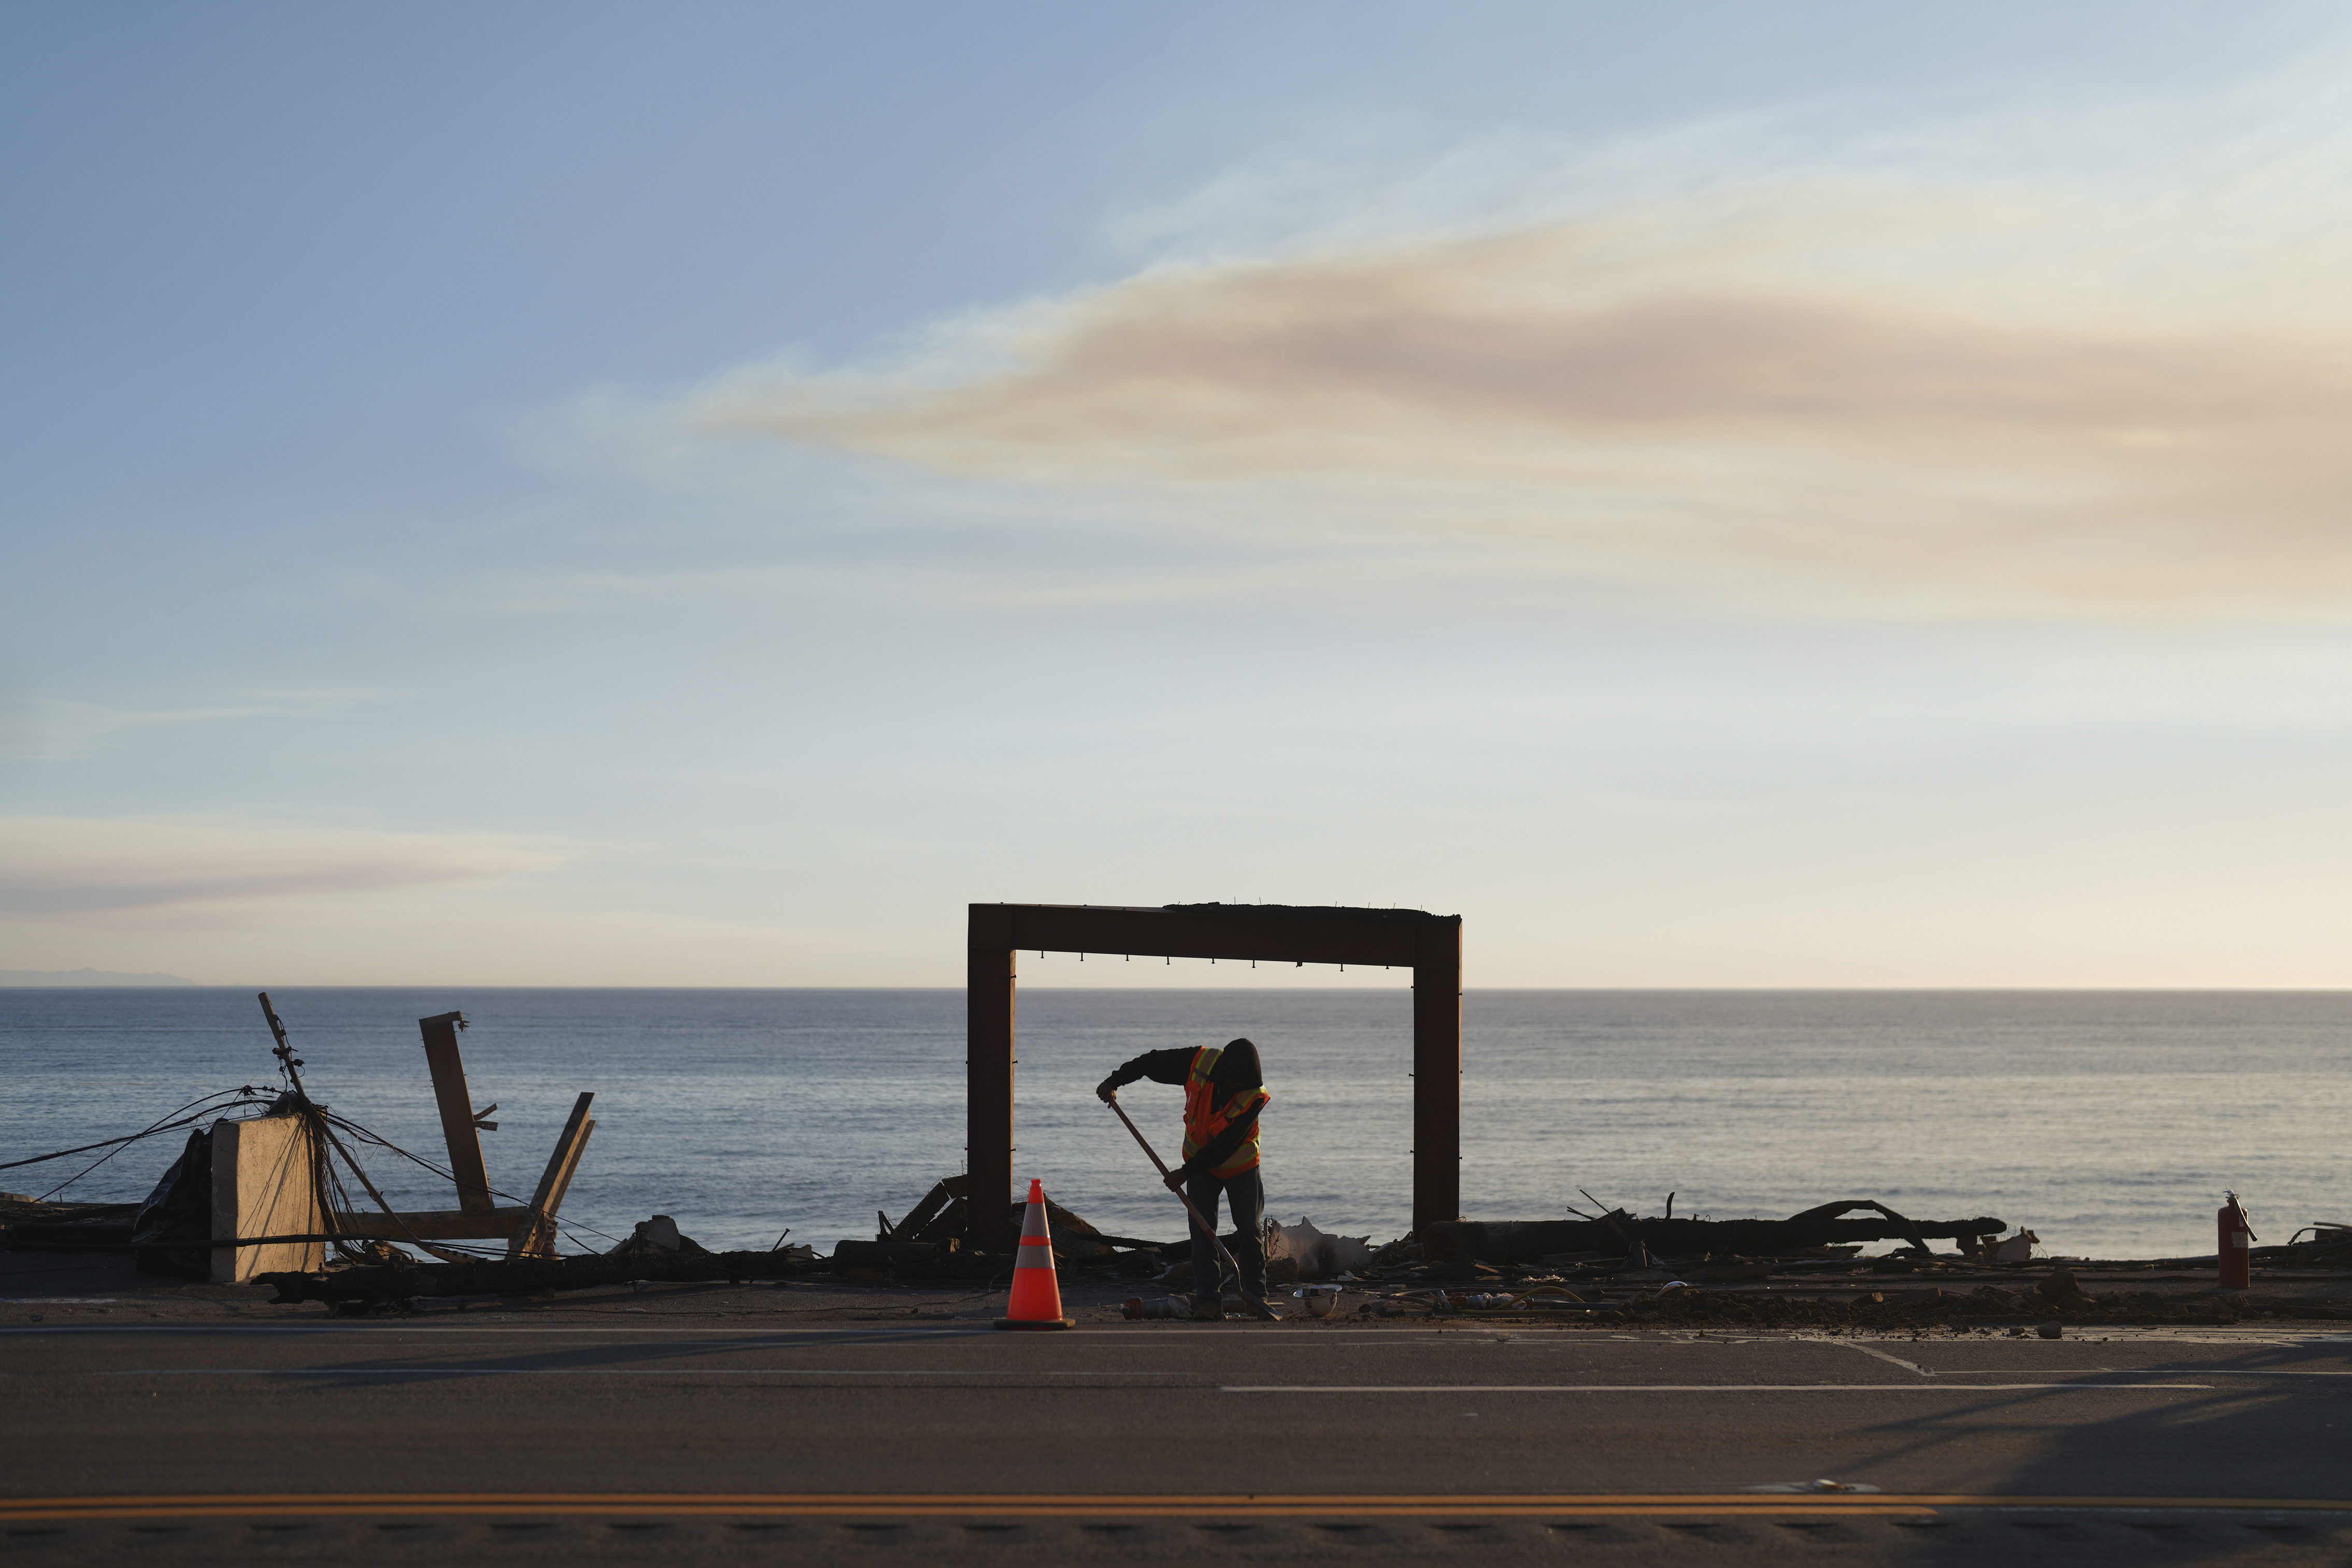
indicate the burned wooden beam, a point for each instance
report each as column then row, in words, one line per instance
column 540, row 1240
column 532, row 1276
column 853, row 1259
column 1513, row 1241
column 461, row 1127
column 29, row 1225
column 939, row 1216
column 942, row 1219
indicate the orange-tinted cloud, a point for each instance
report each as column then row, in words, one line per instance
column 1987, row 405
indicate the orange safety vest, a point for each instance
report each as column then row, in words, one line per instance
column 1204, row 1119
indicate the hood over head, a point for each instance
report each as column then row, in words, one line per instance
column 1237, row 1068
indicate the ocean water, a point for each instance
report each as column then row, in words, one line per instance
column 2109, row 1123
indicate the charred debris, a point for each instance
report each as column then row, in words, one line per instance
column 281, row 1189
column 269, row 1198
column 1609, row 1267
column 1807, row 1272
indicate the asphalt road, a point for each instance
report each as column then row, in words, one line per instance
column 509, row 1439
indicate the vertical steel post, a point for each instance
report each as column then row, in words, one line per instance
column 988, row 1076
column 1437, row 1077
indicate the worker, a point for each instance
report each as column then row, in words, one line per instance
column 1223, row 1092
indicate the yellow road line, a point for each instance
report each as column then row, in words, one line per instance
column 1782, row 1509
column 1079, row 1505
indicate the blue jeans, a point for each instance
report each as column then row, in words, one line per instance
column 1246, row 1196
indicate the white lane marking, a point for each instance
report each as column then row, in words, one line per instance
column 1670, row 1388
column 2157, row 1371
column 1898, row 1361
column 881, row 1334
column 684, row 1372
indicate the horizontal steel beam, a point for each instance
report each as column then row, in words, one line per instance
column 1273, row 937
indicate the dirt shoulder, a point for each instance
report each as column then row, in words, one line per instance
column 104, row 1289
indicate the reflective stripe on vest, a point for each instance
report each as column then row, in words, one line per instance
column 1204, row 1119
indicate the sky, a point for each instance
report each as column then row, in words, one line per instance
column 1716, row 495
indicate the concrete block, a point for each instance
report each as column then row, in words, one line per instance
column 265, row 1183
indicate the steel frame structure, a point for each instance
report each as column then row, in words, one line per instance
column 1430, row 945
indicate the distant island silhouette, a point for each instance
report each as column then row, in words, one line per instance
column 87, row 977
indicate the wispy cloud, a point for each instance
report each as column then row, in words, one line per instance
column 58, row 729
column 57, row 866
column 1939, row 381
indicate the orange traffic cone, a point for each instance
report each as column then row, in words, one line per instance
column 1036, row 1299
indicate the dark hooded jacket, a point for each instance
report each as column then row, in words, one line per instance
column 1237, row 1068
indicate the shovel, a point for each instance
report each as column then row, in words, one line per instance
column 1256, row 1306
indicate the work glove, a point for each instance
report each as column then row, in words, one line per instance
column 1176, row 1180
column 1107, row 1091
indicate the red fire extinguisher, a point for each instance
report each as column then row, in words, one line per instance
column 2237, row 1245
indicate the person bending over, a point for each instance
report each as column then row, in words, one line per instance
column 1223, row 1092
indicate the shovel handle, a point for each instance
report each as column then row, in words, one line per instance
column 1120, row 1112
column 1185, row 1197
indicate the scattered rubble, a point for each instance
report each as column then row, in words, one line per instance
column 405, row 1281
column 30, row 1224
column 265, row 1192
column 1316, row 1254
column 1798, row 1273
column 1920, row 1293
column 1820, row 1288
column 657, row 1236
column 943, row 1221
column 1510, row 1241
column 1294, row 1254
